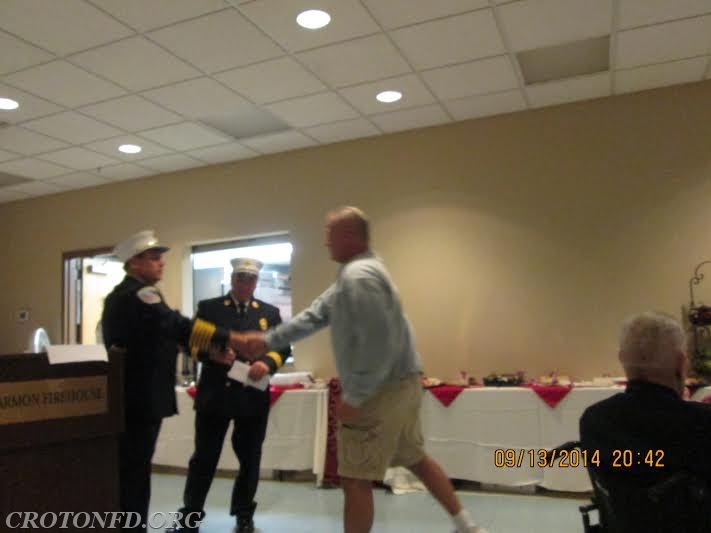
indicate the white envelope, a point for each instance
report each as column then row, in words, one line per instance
column 239, row 372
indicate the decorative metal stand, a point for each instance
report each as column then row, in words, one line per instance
column 700, row 327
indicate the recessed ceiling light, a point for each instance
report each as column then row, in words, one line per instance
column 130, row 148
column 313, row 19
column 388, row 97
column 8, row 105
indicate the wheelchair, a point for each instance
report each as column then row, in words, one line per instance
column 681, row 502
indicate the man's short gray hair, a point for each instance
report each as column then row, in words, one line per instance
column 356, row 219
column 651, row 340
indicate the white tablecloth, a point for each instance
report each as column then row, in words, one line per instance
column 463, row 437
column 296, row 434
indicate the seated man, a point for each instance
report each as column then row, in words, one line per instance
column 649, row 433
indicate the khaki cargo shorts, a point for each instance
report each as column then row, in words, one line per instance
column 386, row 432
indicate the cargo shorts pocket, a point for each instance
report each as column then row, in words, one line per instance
column 359, row 449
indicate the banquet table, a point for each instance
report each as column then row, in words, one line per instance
column 464, row 436
column 295, row 438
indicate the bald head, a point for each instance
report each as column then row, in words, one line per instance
column 653, row 348
column 347, row 233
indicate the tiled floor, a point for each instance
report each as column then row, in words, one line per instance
column 300, row 507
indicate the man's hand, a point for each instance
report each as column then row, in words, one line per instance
column 256, row 345
column 226, row 357
column 345, row 412
column 257, row 370
column 238, row 342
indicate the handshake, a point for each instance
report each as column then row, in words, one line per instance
column 248, row 344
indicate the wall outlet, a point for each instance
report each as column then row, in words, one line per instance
column 23, row 315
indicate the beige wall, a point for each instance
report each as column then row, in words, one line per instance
column 518, row 242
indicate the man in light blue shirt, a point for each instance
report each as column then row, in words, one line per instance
column 379, row 369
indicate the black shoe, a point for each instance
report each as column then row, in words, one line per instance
column 245, row 525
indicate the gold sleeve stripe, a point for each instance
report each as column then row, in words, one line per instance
column 200, row 336
column 277, row 358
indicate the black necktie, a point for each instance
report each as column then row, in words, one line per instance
column 242, row 309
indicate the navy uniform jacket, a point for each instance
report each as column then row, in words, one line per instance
column 136, row 318
column 648, row 417
column 216, row 393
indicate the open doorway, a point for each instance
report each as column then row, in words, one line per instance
column 89, row 275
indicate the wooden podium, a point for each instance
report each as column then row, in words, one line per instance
column 59, row 428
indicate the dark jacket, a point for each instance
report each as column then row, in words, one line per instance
column 218, row 394
column 652, row 426
column 137, row 319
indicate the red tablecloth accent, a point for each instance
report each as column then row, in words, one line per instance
column 330, row 469
column 446, row 394
column 551, row 394
column 275, row 391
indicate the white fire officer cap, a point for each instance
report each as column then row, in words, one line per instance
column 138, row 243
column 245, row 265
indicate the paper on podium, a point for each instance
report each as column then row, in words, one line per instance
column 239, row 372
column 75, row 353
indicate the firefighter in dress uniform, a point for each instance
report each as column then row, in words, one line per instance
column 220, row 400
column 137, row 321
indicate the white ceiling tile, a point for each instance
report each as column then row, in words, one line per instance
column 311, row 110
column 131, row 113
column 33, row 168
column 357, row 61
column 406, row 119
column 664, row 42
column 643, row 12
column 414, row 94
column 30, row 106
column 185, row 136
column 278, row 19
column 135, row 64
column 171, row 163
column 486, row 105
column 26, row 142
column 35, row 188
column 279, row 142
column 450, row 40
column 11, row 195
column 265, row 82
column 198, row 98
column 342, row 131
column 533, row 24
column 79, row 158
column 662, row 75
column 397, row 13
column 79, row 180
column 6, row 156
column 17, row 54
column 62, row 27
column 223, row 153
column 72, row 127
column 218, row 41
column 570, row 90
column 59, row 81
column 159, row 13
column 110, row 148
column 124, row 171
column 478, row 77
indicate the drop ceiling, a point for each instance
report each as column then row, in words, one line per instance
column 198, row 82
